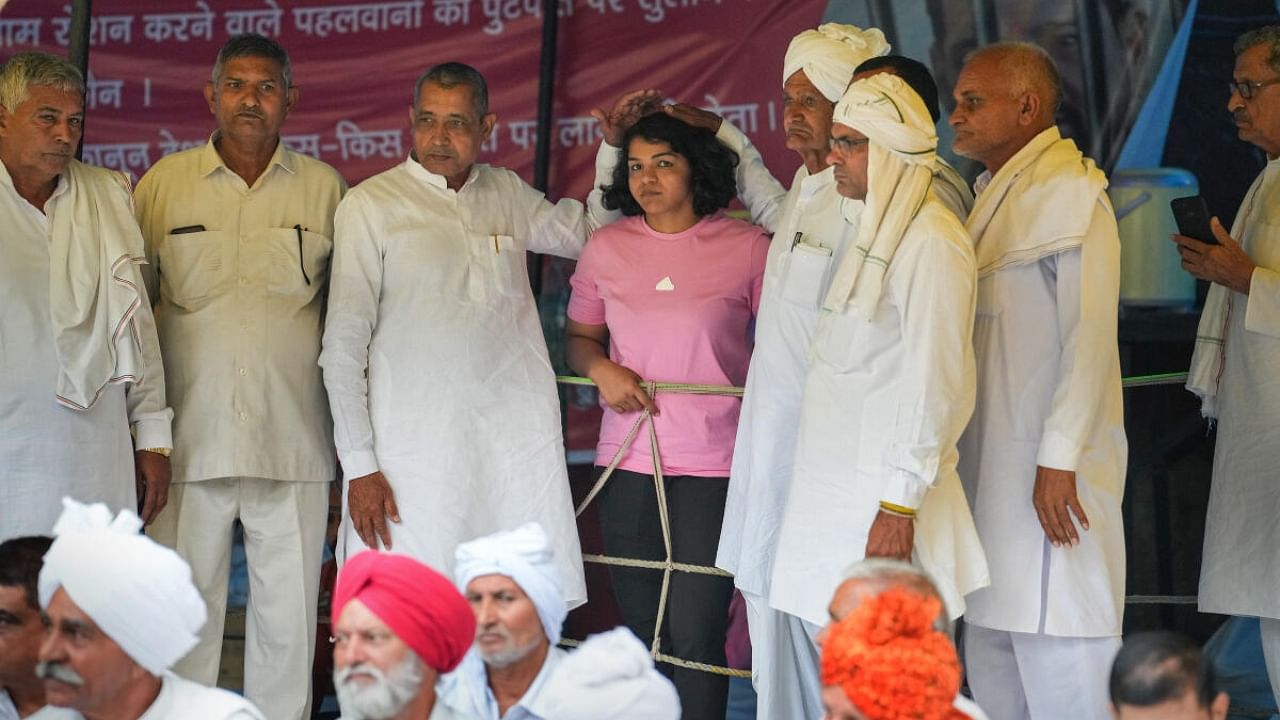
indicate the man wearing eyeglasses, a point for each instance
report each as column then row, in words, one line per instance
column 1234, row 367
column 238, row 235
column 890, row 382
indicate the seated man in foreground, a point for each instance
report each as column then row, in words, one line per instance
column 510, row 579
column 1163, row 676
column 119, row 611
column 397, row 625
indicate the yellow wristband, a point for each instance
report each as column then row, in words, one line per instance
column 898, row 510
column 159, row 451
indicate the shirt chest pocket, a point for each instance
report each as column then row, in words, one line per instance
column 195, row 267
column 804, row 278
column 501, row 263
column 297, row 260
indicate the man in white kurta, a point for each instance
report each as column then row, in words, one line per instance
column 238, row 237
column 1234, row 366
column 77, row 339
column 810, row 235
column 1043, row 460
column 890, row 380
column 120, row 610
column 445, row 410
column 511, row 581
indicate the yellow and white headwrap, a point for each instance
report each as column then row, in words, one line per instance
column 900, row 164
column 829, row 54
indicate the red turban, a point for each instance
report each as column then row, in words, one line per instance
column 891, row 662
column 419, row 604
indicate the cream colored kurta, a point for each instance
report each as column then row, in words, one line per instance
column 797, row 276
column 1240, row 573
column 240, row 310
column 48, row 450
column 435, row 362
column 884, row 403
column 1049, row 394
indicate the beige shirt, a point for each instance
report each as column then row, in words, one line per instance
column 240, row 301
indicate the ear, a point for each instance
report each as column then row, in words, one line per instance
column 413, row 115
column 1115, row 711
column 1218, row 708
column 1029, row 107
column 4, row 122
column 486, row 126
column 210, row 97
column 290, row 99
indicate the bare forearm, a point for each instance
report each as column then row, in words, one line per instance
column 584, row 354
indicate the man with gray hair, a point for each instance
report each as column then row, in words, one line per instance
column 1043, row 459
column 444, row 401
column 1234, row 367
column 239, row 233
column 80, row 357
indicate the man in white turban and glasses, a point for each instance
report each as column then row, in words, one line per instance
column 120, row 610
column 611, row 676
column 511, row 581
column 890, row 384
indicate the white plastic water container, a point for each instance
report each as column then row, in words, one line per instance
column 1151, row 273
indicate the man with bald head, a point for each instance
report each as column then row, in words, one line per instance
column 397, row 626
column 1043, row 459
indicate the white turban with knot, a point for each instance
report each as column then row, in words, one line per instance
column 829, row 55
column 610, row 676
column 524, row 555
column 138, row 592
column 900, row 163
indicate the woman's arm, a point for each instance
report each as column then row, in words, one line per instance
column 586, row 349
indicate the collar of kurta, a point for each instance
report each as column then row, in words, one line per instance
column 421, row 173
column 210, row 160
column 7, row 180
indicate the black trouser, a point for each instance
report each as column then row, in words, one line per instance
column 697, row 614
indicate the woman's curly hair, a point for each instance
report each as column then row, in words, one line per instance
column 711, row 165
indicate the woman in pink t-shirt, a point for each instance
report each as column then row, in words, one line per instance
column 669, row 294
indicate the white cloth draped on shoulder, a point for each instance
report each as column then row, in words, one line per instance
column 94, row 287
column 610, row 676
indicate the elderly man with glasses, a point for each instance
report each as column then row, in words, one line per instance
column 1237, row 355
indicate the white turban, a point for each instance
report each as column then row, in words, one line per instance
column 610, row 676
column 829, row 55
column 138, row 592
column 901, row 158
column 524, row 555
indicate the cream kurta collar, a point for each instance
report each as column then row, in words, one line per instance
column 210, row 160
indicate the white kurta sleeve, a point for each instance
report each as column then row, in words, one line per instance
column 148, row 409
column 1087, row 320
column 1262, row 314
column 355, row 285
column 936, row 312
column 562, row 228
column 758, row 189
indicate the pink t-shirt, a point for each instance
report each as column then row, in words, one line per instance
column 680, row 308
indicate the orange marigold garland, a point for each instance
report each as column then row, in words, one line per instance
column 891, row 662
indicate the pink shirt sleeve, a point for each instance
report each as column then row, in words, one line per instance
column 585, row 304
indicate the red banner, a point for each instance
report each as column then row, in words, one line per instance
column 355, row 64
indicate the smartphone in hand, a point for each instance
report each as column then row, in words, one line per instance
column 1192, row 216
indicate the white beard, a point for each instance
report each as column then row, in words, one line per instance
column 382, row 698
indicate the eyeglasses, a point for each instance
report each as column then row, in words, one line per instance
column 1247, row 88
column 844, row 146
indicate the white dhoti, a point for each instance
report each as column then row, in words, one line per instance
column 284, row 525
column 1022, row 674
column 784, row 662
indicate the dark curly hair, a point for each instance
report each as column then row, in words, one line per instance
column 711, row 165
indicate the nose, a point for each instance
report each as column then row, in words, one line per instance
column 486, row 613
column 793, row 112
column 832, row 157
column 956, row 117
column 821, row 637
column 50, row 647
column 1235, row 101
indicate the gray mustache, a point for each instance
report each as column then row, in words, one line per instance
column 59, row 672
